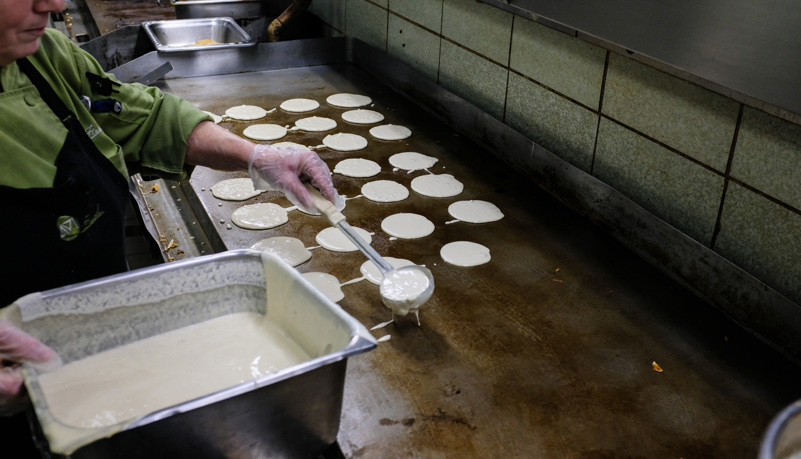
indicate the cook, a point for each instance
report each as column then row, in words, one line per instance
column 63, row 180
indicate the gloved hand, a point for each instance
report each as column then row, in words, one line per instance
column 17, row 346
column 285, row 170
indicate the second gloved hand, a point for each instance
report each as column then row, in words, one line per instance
column 286, row 170
column 16, row 347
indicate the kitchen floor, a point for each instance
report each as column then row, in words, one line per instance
column 594, row 352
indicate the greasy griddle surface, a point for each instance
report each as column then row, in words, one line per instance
column 545, row 351
column 429, row 137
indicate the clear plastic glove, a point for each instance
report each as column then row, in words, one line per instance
column 286, row 170
column 17, row 346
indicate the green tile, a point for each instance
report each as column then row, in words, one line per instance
column 473, row 78
column 768, row 156
column 570, row 66
column 331, row 12
column 561, row 126
column 693, row 120
column 484, row 29
column 417, row 47
column 426, row 13
column 670, row 186
column 367, row 22
column 762, row 237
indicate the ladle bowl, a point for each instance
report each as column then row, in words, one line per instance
column 403, row 290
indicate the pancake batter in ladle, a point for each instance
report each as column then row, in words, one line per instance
column 403, row 290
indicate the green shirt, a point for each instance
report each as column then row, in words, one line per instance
column 149, row 134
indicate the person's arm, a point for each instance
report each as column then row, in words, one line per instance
column 16, row 347
column 211, row 146
column 161, row 133
column 283, row 170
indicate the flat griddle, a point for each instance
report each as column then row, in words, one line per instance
column 545, row 351
column 429, row 137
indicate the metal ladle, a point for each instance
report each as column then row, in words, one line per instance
column 403, row 290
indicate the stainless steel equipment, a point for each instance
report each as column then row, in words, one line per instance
column 237, row 9
column 189, row 34
column 545, row 351
column 291, row 413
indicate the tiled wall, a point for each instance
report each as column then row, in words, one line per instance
column 725, row 174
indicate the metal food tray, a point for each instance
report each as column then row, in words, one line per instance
column 294, row 412
column 183, row 34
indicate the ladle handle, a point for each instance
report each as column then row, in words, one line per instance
column 325, row 206
column 366, row 249
column 338, row 220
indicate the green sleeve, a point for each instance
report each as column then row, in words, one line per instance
column 153, row 127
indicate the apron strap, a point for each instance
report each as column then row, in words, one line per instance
column 70, row 122
column 46, row 91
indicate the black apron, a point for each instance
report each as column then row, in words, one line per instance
column 57, row 236
column 71, row 232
